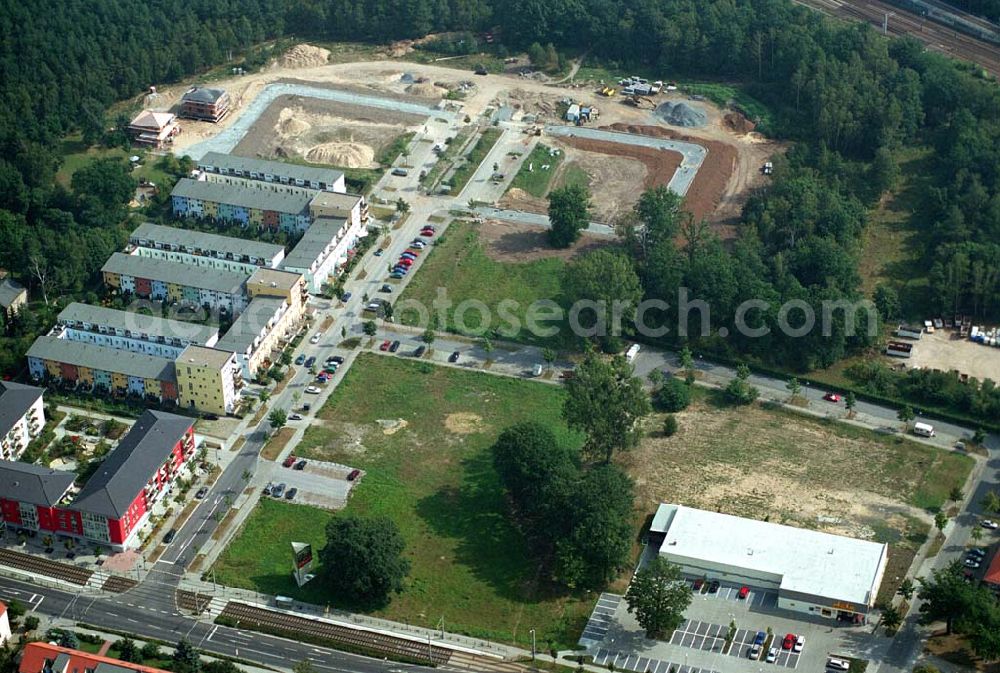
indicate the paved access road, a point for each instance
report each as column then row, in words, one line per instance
column 127, row 612
column 681, row 181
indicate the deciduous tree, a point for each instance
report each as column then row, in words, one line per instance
column 363, row 560
column 658, row 597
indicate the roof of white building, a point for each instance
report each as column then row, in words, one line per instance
column 809, row 562
column 15, row 401
column 227, row 162
column 314, row 243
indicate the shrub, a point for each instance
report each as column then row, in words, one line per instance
column 673, row 396
column 669, row 425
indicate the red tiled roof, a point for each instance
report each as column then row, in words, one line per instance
column 992, row 575
column 3, row 608
column 35, row 656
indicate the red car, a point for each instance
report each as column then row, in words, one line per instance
column 403, row 261
column 288, row 462
column 353, row 474
column 788, row 642
column 413, row 251
column 744, row 592
column 832, row 397
column 385, row 345
column 427, row 232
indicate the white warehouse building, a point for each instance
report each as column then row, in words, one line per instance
column 819, row 573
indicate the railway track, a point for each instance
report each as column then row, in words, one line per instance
column 295, row 627
column 935, row 36
column 118, row 585
column 42, row 566
column 192, row 602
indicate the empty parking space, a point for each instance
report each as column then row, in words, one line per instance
column 711, row 637
column 744, row 639
column 621, row 661
column 600, row 619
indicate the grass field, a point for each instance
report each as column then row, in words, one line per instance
column 459, row 264
column 573, row 174
column 435, row 479
column 468, row 167
column 536, row 182
column 76, row 155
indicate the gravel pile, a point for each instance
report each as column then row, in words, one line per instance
column 682, row 114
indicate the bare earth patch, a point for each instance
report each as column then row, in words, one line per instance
column 512, row 242
column 464, row 423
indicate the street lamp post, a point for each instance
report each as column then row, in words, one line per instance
column 532, row 644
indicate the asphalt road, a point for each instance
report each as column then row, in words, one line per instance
column 127, row 612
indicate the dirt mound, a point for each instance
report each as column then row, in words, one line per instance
column 346, row 154
column 682, row 114
column 304, row 56
column 735, row 121
column 291, row 125
column 425, row 90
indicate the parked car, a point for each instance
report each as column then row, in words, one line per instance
column 789, row 641
column 992, row 525
column 345, row 297
column 429, row 227
column 973, row 563
column 278, row 490
column 335, row 358
column 979, row 551
column 772, row 655
column 394, row 346
column 800, row 642
column 838, row 664
column 295, row 417
column 301, row 465
column 832, row 397
column 412, row 250
column 743, row 592
column 301, row 359
column 202, row 492
column 330, row 369
column 289, row 461
column 760, row 638
column 169, row 537
column 311, row 361
column 385, row 345
column 290, row 495
column 385, row 288
column 267, row 489
column 754, row 652
column 714, row 587
column 312, row 390
column 314, row 339
column 698, row 583
column 396, row 275
column 426, row 232
column 453, row 357
column 404, row 261
column 353, row 474
column 323, row 377
column 419, row 353
column 378, row 253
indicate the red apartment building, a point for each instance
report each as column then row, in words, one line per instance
column 111, row 507
column 206, row 104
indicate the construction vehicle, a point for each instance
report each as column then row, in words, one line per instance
column 639, row 102
column 608, row 91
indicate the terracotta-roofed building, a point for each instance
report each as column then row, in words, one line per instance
column 153, row 129
column 992, row 576
column 42, row 657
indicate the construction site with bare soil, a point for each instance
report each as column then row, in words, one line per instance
column 325, row 132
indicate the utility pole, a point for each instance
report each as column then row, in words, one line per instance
column 532, row 644
column 885, row 22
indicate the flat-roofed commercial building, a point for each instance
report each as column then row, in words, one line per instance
column 198, row 248
column 135, row 332
column 173, row 282
column 208, row 380
column 312, row 177
column 819, row 573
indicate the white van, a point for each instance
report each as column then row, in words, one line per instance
column 632, row 351
column 923, row 429
column 536, row 370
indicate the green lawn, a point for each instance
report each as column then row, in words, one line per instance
column 435, row 479
column 472, row 160
column 76, row 155
column 459, row 264
column 536, row 181
column 574, row 175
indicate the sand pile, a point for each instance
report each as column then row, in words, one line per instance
column 291, row 125
column 346, row 154
column 425, row 90
column 304, row 56
column 682, row 114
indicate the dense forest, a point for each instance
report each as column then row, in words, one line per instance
column 850, row 97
